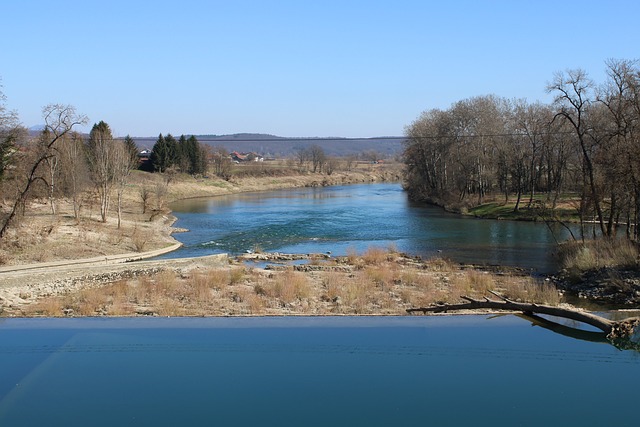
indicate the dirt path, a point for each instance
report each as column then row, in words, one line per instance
column 21, row 284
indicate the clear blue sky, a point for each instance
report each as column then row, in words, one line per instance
column 295, row 68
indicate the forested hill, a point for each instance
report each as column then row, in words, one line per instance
column 276, row 146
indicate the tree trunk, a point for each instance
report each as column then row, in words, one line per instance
column 622, row 329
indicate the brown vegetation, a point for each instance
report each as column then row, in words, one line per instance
column 584, row 143
column 376, row 282
column 601, row 270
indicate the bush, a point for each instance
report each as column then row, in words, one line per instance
column 599, row 253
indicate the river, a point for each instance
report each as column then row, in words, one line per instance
column 352, row 218
column 309, row 371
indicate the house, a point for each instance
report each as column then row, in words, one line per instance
column 144, row 160
column 246, row 157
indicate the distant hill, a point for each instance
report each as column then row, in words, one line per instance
column 277, row 146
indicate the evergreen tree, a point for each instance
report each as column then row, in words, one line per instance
column 197, row 156
column 159, row 155
column 184, row 155
column 173, row 151
column 132, row 149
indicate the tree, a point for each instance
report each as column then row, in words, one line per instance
column 529, row 125
column 75, row 172
column 123, row 164
column 52, row 162
column 621, row 164
column 191, row 157
column 573, row 91
column 303, row 155
column 197, row 156
column 101, row 152
column 59, row 121
column 620, row 333
column 10, row 133
column 132, row 149
column 183, row 156
column 318, row 157
column 454, row 154
column 164, row 153
column 221, row 162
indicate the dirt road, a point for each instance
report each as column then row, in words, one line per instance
column 20, row 284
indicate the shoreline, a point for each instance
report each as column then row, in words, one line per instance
column 25, row 284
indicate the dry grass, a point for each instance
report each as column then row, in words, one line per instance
column 389, row 286
column 441, row 264
column 375, row 256
column 529, row 290
column 290, row 286
column 599, row 253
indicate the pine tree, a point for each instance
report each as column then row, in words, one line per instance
column 192, row 150
column 184, row 155
column 132, row 149
column 159, row 155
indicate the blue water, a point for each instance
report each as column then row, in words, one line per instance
column 356, row 217
column 452, row 371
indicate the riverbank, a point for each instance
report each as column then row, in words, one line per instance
column 146, row 225
column 376, row 282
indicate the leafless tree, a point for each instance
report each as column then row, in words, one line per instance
column 101, row 153
column 303, row 156
column 221, row 161
column 317, row 157
column 75, row 173
column 145, row 195
column 59, row 121
column 11, row 132
column 123, row 164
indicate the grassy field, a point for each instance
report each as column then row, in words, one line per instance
column 540, row 210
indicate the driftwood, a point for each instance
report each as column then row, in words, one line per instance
column 613, row 330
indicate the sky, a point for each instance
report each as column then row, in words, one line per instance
column 295, row 68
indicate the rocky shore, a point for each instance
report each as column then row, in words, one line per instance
column 607, row 287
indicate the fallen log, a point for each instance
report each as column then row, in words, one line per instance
column 614, row 330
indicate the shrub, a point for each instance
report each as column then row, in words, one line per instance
column 374, row 256
column 441, row 264
column 599, row 253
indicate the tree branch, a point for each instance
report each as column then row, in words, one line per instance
column 605, row 325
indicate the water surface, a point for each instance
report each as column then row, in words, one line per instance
column 355, row 217
column 453, row 371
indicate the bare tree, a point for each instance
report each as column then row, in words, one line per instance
column 573, row 98
column 145, row 195
column 59, row 120
column 221, row 162
column 303, row 156
column 123, row 164
column 75, row 174
column 52, row 163
column 101, row 154
column 318, row 157
column 10, row 132
column 621, row 168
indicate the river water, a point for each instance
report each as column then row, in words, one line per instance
column 309, row 371
column 356, row 217
column 341, row 371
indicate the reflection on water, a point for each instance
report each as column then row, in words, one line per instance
column 339, row 219
column 309, row 371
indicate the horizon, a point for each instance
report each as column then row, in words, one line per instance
column 349, row 69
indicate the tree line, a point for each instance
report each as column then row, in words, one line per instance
column 184, row 154
column 62, row 163
column 586, row 142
